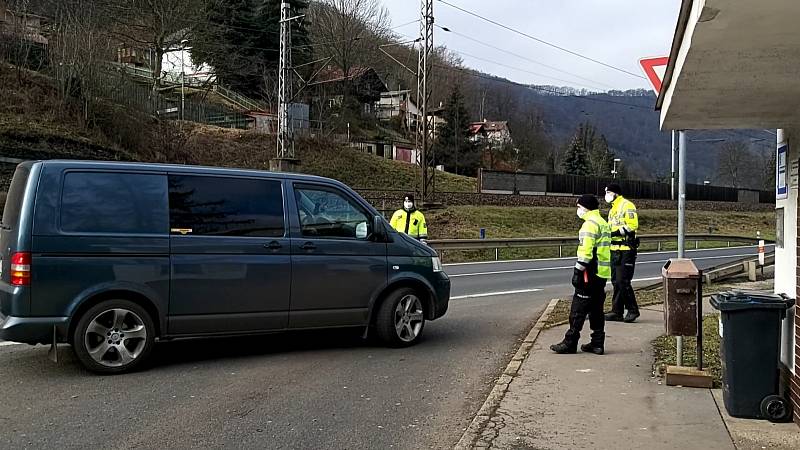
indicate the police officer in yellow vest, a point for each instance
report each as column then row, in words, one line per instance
column 410, row 220
column 624, row 221
column 592, row 271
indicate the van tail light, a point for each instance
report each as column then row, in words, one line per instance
column 21, row 269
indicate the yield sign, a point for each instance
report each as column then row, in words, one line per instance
column 655, row 68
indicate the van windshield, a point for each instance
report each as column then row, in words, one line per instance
column 13, row 205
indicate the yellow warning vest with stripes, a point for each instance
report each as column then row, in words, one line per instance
column 622, row 214
column 594, row 249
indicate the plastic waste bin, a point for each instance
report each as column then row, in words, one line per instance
column 750, row 328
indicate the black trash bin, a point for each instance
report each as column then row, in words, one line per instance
column 750, row 326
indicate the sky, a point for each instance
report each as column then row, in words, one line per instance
column 616, row 32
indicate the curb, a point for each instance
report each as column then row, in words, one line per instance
column 473, row 432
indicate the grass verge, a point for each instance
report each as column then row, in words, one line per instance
column 664, row 351
column 560, row 314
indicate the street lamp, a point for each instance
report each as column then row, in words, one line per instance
column 614, row 171
column 706, row 182
column 183, row 77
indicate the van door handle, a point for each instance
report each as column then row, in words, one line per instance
column 308, row 246
column 274, row 245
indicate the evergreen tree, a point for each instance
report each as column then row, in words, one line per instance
column 454, row 149
column 576, row 161
column 240, row 40
column 601, row 158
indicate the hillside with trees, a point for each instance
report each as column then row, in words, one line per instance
column 336, row 45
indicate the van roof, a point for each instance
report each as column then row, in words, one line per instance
column 117, row 165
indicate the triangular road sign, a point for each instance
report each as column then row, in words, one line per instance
column 655, row 68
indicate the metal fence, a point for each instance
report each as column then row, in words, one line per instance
column 526, row 183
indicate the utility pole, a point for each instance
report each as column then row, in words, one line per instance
column 285, row 159
column 681, row 221
column 427, row 160
column 672, row 173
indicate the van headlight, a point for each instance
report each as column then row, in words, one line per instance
column 437, row 264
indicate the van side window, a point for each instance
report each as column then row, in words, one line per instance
column 222, row 206
column 109, row 202
column 327, row 213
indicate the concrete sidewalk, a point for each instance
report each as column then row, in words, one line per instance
column 610, row 401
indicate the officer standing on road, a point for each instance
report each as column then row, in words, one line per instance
column 410, row 220
column 592, row 271
column 624, row 222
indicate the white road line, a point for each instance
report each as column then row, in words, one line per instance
column 3, row 344
column 646, row 279
column 476, row 263
column 493, row 294
column 540, row 269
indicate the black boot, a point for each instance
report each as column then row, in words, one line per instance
column 631, row 316
column 562, row 348
column 613, row 317
column 592, row 348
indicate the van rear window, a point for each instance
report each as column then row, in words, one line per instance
column 109, row 202
column 16, row 192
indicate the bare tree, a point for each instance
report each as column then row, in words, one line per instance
column 349, row 31
column 153, row 25
column 733, row 163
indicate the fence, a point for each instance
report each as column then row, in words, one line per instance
column 525, row 183
column 143, row 98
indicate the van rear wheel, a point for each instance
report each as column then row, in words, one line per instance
column 114, row 336
column 401, row 318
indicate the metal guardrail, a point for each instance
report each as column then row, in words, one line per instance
column 735, row 268
column 443, row 245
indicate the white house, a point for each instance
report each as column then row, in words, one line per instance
column 735, row 64
column 177, row 62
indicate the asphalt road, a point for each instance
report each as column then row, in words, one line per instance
column 298, row 390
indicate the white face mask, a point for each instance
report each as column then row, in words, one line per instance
column 581, row 212
column 610, row 196
column 408, row 205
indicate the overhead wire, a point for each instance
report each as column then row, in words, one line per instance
column 523, row 57
column 542, row 41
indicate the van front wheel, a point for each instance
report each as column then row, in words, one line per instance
column 401, row 318
column 114, row 336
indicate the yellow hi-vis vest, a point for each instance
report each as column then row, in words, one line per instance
column 412, row 224
column 594, row 249
column 622, row 214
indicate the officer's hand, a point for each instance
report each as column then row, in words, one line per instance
column 577, row 278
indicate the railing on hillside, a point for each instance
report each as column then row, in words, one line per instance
column 444, row 245
column 240, row 100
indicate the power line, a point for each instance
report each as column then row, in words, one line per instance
column 517, row 68
column 542, row 41
column 474, row 74
column 494, row 47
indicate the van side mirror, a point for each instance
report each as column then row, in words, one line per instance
column 378, row 229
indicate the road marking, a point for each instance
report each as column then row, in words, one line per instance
column 493, row 294
column 540, row 269
column 476, row 263
column 3, row 344
column 475, row 274
column 647, row 279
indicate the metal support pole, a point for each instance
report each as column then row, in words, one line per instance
column 285, row 141
column 423, row 95
column 681, row 220
column 700, row 322
column 672, row 173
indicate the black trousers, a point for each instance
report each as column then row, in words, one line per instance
column 623, row 264
column 588, row 302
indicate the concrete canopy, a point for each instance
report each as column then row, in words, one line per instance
column 733, row 64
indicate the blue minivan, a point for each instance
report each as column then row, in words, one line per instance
column 111, row 257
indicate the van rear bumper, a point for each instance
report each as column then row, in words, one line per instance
column 31, row 330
